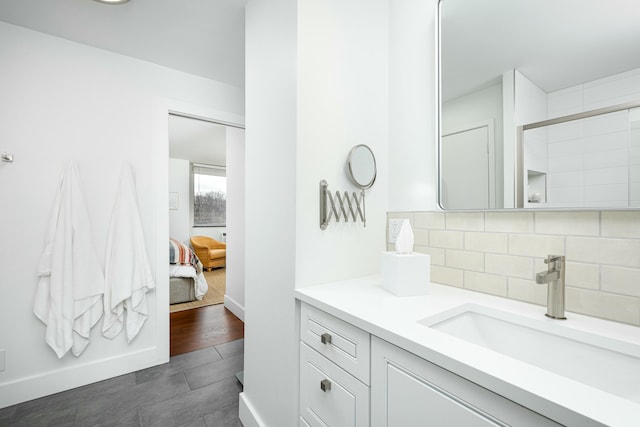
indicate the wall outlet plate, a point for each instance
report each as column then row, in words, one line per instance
column 394, row 230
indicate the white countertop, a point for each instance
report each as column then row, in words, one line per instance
column 365, row 304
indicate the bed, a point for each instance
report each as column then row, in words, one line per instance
column 186, row 280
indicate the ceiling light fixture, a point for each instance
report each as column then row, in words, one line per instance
column 112, row 1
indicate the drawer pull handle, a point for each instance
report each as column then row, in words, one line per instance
column 325, row 338
column 325, row 385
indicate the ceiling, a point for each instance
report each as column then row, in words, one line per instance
column 200, row 37
column 554, row 43
column 197, row 141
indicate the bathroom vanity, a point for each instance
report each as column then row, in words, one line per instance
column 456, row 357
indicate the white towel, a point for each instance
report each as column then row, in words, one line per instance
column 68, row 298
column 127, row 272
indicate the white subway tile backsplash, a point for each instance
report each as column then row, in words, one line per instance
column 420, row 236
column 601, row 304
column 486, row 242
column 509, row 222
column 401, row 215
column 618, row 252
column 499, row 253
column 564, row 132
column 447, row 276
column 621, row 224
column 472, row 221
column 527, row 290
column 436, row 254
column 465, row 260
column 620, row 280
column 535, row 246
column 578, row 223
column 487, row 283
column 446, row 239
column 582, row 275
column 429, row 220
column 508, row 265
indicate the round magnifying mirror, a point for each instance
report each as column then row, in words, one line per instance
column 361, row 166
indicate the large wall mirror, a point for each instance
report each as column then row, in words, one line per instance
column 540, row 104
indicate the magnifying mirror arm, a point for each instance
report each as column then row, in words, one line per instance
column 340, row 206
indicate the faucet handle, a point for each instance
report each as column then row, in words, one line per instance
column 553, row 258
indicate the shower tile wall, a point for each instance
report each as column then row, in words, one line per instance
column 499, row 253
column 588, row 160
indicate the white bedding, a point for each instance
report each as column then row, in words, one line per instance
column 201, row 287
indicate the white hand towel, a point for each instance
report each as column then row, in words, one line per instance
column 68, row 298
column 127, row 272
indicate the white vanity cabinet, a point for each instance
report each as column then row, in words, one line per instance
column 407, row 390
column 351, row 378
column 334, row 371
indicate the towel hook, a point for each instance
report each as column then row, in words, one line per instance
column 6, row 157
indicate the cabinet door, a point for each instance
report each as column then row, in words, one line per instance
column 329, row 396
column 409, row 391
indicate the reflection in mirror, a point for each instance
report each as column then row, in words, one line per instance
column 361, row 166
column 512, row 64
column 583, row 160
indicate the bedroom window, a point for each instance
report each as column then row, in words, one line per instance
column 209, row 196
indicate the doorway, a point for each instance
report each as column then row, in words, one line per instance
column 203, row 150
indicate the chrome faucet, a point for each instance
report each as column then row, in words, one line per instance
column 554, row 277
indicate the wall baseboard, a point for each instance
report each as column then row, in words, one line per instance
column 248, row 415
column 234, row 307
column 33, row 387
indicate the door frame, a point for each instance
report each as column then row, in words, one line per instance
column 161, row 109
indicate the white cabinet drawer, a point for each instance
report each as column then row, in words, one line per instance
column 340, row 342
column 328, row 395
column 408, row 390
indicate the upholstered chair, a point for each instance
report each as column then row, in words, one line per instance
column 211, row 252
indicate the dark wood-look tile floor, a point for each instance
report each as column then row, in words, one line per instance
column 196, row 388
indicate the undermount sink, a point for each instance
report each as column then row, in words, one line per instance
column 601, row 362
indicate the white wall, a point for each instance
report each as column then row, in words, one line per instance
column 342, row 101
column 61, row 101
column 316, row 85
column 179, row 172
column 234, row 296
column 413, row 106
column 270, row 152
column 483, row 106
